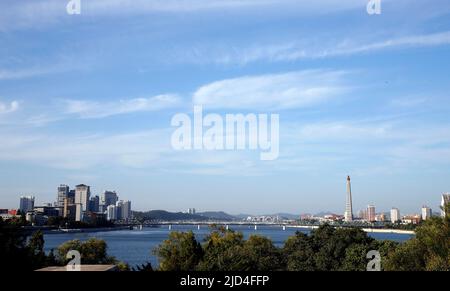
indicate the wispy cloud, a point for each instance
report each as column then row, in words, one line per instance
column 8, row 108
column 137, row 149
column 97, row 109
column 275, row 91
column 6, row 74
column 434, row 39
column 279, row 51
column 30, row 13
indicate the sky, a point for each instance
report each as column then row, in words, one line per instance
column 88, row 98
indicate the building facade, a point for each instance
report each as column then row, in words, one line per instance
column 395, row 215
column 126, row 210
column 107, row 198
column 94, row 203
column 79, row 213
column 371, row 214
column 70, row 209
column 63, row 192
column 26, row 204
column 111, row 212
column 426, row 212
column 82, row 195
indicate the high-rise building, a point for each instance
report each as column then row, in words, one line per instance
column 362, row 214
column 82, row 195
column 69, row 209
column 444, row 203
column 26, row 204
column 63, row 192
column 395, row 215
column 111, row 212
column 348, row 216
column 79, row 213
column 126, row 210
column 119, row 206
column 71, row 196
column 371, row 214
column 94, row 204
column 426, row 212
column 108, row 198
column 191, row 210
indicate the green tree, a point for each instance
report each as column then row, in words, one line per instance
column 408, row 256
column 93, row 251
column 35, row 248
column 330, row 245
column 298, row 253
column 429, row 250
column 261, row 254
column 355, row 258
column 224, row 251
column 328, row 249
column 36, row 243
column 180, row 252
column 385, row 247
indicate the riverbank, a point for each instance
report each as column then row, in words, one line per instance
column 83, row 230
column 101, row 229
column 368, row 230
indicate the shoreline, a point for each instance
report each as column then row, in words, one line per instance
column 90, row 230
column 84, row 230
column 368, row 230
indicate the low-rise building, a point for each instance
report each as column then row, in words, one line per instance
column 411, row 219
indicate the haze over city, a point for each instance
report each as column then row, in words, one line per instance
column 89, row 99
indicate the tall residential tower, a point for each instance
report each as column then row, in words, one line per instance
column 348, row 207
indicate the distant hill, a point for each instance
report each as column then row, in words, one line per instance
column 218, row 215
column 173, row 216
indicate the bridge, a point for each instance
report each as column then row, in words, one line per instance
column 283, row 225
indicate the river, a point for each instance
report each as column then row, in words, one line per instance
column 135, row 246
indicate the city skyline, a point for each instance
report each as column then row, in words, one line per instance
column 110, row 198
column 89, row 98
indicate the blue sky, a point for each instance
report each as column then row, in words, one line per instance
column 89, row 98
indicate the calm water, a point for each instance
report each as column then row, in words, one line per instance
column 135, row 246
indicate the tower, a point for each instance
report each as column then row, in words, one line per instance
column 63, row 192
column 348, row 207
column 82, row 195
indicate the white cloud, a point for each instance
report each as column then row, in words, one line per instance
column 31, row 13
column 23, row 73
column 96, row 109
column 139, row 149
column 434, row 39
column 224, row 54
column 276, row 91
column 8, row 108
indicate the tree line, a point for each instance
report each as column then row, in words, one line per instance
column 324, row 249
